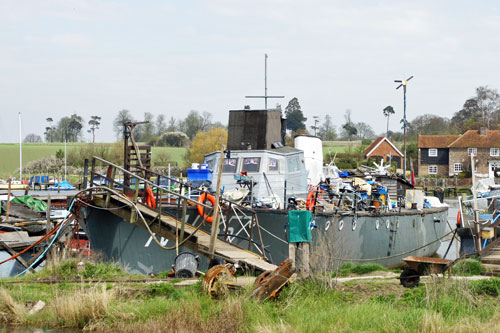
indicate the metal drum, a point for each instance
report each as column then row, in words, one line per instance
column 186, row 264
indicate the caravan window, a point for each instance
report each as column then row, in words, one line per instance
column 210, row 164
column 230, row 165
column 251, row 164
column 274, row 164
column 293, row 164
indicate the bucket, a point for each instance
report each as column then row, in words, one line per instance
column 195, row 165
column 185, row 265
column 376, row 203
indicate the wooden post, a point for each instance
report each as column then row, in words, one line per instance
column 85, row 173
column 183, row 221
column 215, row 224
column 8, row 201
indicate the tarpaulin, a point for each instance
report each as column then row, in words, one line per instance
column 36, row 204
column 299, row 222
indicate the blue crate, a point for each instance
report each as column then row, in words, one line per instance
column 199, row 174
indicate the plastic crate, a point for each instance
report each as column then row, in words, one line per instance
column 199, row 174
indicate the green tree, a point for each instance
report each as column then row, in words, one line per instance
column 327, row 130
column 50, row 131
column 161, row 126
column 121, row 118
column 94, row 123
column 146, row 131
column 349, row 129
column 196, row 122
column 295, row 119
column 70, row 128
column 388, row 110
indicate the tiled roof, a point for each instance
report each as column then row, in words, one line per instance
column 473, row 139
column 436, row 141
column 374, row 143
column 377, row 143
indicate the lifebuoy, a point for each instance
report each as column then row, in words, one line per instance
column 150, row 198
column 201, row 199
column 311, row 200
column 459, row 218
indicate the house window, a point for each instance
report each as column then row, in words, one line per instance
column 433, row 152
column 433, row 170
column 494, row 151
column 457, row 167
column 472, row 151
column 251, row 164
column 230, row 165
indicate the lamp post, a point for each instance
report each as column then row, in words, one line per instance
column 403, row 83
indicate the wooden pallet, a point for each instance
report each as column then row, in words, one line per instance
column 198, row 243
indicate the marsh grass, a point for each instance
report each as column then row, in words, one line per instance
column 311, row 305
column 467, row 267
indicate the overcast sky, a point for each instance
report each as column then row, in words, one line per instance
column 58, row 57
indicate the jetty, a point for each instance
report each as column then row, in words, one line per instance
column 129, row 201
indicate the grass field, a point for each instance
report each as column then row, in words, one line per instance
column 9, row 154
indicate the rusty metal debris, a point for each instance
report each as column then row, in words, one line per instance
column 218, row 280
column 268, row 284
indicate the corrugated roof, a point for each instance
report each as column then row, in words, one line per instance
column 473, row 139
column 436, row 141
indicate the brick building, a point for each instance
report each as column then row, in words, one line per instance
column 448, row 155
column 433, row 154
column 383, row 149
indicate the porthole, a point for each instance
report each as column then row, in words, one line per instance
column 341, row 224
column 377, row 224
column 354, row 224
column 327, row 225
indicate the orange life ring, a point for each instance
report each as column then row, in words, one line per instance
column 201, row 199
column 459, row 218
column 150, row 198
column 311, row 200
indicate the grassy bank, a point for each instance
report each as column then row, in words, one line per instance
column 9, row 153
column 308, row 306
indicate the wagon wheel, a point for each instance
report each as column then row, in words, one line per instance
column 409, row 278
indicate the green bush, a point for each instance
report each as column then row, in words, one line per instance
column 467, row 267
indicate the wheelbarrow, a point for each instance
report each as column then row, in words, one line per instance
column 419, row 266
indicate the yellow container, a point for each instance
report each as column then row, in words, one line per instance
column 487, row 233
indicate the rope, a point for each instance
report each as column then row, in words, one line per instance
column 387, row 257
column 34, row 244
column 153, row 235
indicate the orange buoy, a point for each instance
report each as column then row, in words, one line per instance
column 459, row 218
column 311, row 200
column 201, row 199
column 150, row 198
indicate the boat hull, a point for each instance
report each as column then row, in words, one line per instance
column 358, row 238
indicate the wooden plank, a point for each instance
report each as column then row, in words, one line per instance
column 13, row 253
column 199, row 243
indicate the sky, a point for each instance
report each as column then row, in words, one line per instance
column 59, row 57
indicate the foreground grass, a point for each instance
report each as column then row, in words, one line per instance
column 308, row 306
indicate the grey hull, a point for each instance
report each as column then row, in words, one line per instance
column 363, row 238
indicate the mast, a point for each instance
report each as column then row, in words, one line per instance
column 265, row 97
column 20, row 150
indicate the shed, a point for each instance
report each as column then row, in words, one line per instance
column 383, row 149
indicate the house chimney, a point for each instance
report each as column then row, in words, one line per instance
column 482, row 130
